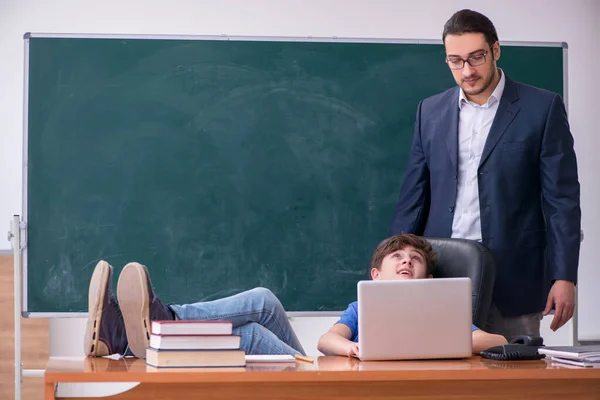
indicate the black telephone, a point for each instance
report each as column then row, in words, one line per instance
column 524, row 347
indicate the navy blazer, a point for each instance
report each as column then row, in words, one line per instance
column 528, row 190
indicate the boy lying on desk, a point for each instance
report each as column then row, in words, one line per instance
column 399, row 257
column 122, row 325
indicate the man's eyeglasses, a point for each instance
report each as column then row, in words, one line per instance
column 474, row 61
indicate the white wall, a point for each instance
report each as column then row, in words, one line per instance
column 571, row 21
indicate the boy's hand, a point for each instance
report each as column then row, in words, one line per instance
column 352, row 350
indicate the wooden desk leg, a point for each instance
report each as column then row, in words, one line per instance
column 49, row 391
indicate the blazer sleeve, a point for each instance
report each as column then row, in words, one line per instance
column 560, row 195
column 410, row 214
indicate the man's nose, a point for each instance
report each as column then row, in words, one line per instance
column 467, row 70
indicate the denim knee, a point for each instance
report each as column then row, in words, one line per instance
column 253, row 329
column 269, row 299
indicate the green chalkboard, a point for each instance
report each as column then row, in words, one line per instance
column 224, row 164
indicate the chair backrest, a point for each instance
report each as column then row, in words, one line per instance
column 468, row 258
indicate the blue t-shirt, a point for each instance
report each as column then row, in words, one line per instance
column 350, row 319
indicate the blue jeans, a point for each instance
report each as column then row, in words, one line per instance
column 257, row 316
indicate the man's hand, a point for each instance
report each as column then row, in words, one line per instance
column 562, row 295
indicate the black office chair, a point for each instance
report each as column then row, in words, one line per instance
column 468, row 258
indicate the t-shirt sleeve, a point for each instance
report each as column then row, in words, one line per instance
column 350, row 319
column 474, row 328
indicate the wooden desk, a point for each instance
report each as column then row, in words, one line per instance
column 337, row 378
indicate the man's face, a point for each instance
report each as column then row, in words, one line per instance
column 407, row 263
column 473, row 46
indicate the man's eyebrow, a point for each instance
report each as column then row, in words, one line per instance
column 477, row 51
column 470, row 54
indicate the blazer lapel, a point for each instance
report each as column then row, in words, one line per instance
column 449, row 122
column 507, row 110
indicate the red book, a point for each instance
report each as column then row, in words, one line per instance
column 196, row 359
column 208, row 327
column 194, row 342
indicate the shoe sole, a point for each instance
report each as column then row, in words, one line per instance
column 96, row 292
column 133, row 297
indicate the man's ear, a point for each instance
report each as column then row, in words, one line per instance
column 375, row 274
column 496, row 51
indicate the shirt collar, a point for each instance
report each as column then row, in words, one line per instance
column 494, row 97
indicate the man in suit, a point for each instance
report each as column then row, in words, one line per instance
column 492, row 160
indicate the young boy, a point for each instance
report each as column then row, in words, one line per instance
column 122, row 325
column 399, row 257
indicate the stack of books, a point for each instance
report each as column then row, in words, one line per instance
column 194, row 344
column 574, row 356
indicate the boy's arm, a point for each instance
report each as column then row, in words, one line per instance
column 483, row 340
column 336, row 342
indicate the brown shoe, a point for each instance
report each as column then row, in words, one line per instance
column 139, row 306
column 105, row 330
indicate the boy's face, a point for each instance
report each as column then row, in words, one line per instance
column 406, row 263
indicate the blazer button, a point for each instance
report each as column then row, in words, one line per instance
column 451, row 209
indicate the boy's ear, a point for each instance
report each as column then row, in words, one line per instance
column 429, row 276
column 375, row 274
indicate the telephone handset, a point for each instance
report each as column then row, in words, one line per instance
column 524, row 347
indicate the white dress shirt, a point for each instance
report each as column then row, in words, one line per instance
column 474, row 123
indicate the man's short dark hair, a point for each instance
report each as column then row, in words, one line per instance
column 469, row 21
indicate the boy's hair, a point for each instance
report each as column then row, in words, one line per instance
column 399, row 242
column 468, row 21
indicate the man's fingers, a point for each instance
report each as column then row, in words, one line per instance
column 563, row 298
column 566, row 315
column 558, row 312
column 562, row 314
column 569, row 314
column 562, row 321
column 572, row 314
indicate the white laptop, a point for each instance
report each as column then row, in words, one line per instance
column 414, row 319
